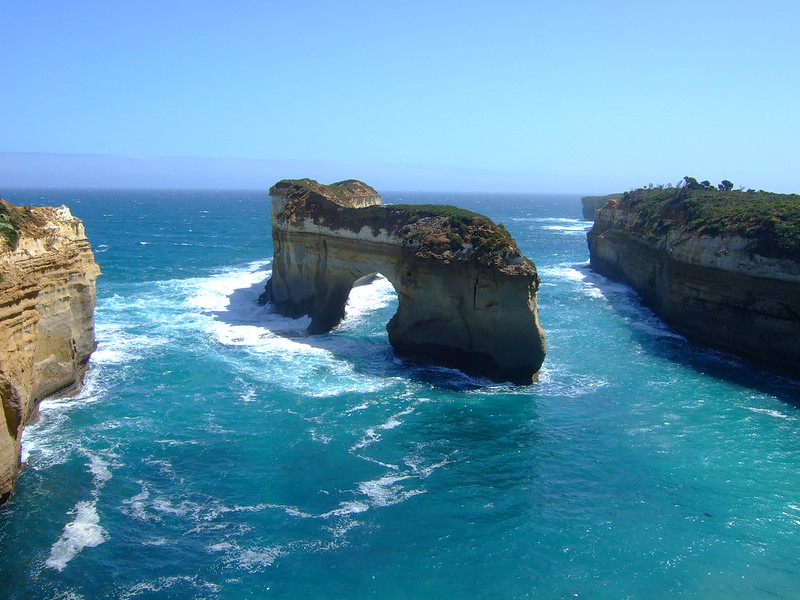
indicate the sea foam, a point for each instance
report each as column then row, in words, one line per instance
column 228, row 309
column 385, row 491
column 82, row 532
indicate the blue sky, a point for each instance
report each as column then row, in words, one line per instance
column 571, row 96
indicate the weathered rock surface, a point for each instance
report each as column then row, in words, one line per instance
column 590, row 204
column 715, row 290
column 47, row 300
column 466, row 295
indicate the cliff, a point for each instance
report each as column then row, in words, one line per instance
column 590, row 204
column 720, row 267
column 47, row 300
column 466, row 295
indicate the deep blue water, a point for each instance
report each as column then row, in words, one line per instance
column 216, row 453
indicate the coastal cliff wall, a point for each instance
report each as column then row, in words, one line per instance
column 47, row 301
column 466, row 296
column 714, row 289
column 590, row 204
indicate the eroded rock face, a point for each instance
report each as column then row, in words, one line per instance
column 715, row 290
column 590, row 204
column 466, row 296
column 47, row 300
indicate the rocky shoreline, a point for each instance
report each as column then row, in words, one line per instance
column 712, row 285
column 591, row 204
column 47, row 301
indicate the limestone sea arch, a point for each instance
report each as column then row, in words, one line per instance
column 467, row 297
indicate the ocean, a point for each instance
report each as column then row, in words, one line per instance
column 217, row 452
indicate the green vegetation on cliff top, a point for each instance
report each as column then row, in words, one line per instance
column 606, row 198
column 770, row 221
column 433, row 230
column 460, row 227
column 341, row 192
column 11, row 218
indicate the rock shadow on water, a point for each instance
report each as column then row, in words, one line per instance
column 372, row 357
column 656, row 337
column 244, row 309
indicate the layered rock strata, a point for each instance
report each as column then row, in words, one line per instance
column 714, row 289
column 466, row 295
column 590, row 204
column 47, row 300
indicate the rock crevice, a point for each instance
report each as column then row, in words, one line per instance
column 466, row 295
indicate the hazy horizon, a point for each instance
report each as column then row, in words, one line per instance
column 512, row 96
column 24, row 170
column 81, row 171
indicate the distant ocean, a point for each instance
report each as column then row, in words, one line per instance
column 216, row 452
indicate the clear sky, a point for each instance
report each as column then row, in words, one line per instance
column 513, row 95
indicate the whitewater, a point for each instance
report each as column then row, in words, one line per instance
column 218, row 452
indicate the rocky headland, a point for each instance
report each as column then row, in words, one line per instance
column 720, row 266
column 590, row 204
column 47, row 300
column 466, row 295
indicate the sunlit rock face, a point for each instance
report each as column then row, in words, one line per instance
column 715, row 290
column 466, row 296
column 590, row 204
column 47, row 301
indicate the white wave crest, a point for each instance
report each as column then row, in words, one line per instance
column 770, row 412
column 574, row 228
column 99, row 469
column 560, row 382
column 346, row 508
column 137, row 505
column 193, row 583
column 225, row 307
column 366, row 299
column 43, row 443
column 213, row 293
column 115, row 346
column 249, row 559
column 385, row 491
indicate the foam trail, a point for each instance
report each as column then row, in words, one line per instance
column 82, row 532
column 99, row 469
column 227, row 309
column 385, row 491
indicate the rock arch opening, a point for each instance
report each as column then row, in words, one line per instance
column 466, row 297
column 372, row 298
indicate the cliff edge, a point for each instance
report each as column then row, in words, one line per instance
column 720, row 266
column 591, row 204
column 47, row 300
column 466, row 295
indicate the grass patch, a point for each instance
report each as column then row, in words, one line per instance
column 771, row 222
column 432, row 230
column 11, row 218
column 460, row 227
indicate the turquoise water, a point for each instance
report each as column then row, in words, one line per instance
column 217, row 453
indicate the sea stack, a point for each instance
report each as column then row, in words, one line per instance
column 466, row 295
column 720, row 266
column 47, row 301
